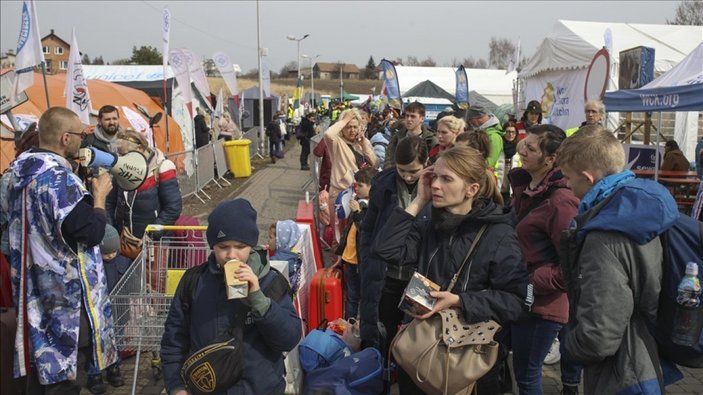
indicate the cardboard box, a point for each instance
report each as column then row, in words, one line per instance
column 416, row 297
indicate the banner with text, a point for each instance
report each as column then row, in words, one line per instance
column 560, row 94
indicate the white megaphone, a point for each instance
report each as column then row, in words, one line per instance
column 129, row 170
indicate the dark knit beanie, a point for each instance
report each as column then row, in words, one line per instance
column 111, row 240
column 233, row 220
column 476, row 112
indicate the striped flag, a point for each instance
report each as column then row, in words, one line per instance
column 76, row 89
column 297, row 94
column 29, row 51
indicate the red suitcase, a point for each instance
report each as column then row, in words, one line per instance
column 326, row 301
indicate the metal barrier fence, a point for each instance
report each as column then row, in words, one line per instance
column 253, row 135
column 220, row 161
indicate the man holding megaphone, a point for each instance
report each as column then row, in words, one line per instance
column 56, row 227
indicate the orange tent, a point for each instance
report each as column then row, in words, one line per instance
column 101, row 93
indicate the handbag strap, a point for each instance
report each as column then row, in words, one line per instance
column 468, row 258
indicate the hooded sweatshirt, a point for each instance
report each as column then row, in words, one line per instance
column 495, row 135
column 60, row 279
column 613, row 265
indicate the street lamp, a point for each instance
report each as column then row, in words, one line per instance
column 312, row 77
column 292, row 38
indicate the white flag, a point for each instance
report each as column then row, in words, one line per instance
column 76, row 90
column 515, row 60
column 195, row 69
column 226, row 68
column 266, row 79
column 29, row 51
column 165, row 34
column 179, row 63
column 220, row 105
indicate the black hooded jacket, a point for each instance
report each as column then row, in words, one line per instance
column 495, row 287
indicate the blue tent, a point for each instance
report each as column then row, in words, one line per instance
column 679, row 89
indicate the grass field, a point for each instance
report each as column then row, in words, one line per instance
column 287, row 86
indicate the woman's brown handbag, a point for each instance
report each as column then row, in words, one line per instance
column 130, row 245
column 443, row 354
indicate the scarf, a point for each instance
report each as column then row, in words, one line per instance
column 603, row 188
column 445, row 222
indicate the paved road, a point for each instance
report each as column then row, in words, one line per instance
column 274, row 193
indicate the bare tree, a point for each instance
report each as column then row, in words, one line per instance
column 501, row 50
column 471, row 63
column 428, row 62
column 688, row 13
column 411, row 61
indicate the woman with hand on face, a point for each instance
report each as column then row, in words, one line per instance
column 448, row 127
column 349, row 150
column 495, row 286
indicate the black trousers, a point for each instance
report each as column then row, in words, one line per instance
column 304, row 151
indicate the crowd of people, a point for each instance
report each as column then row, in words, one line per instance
column 554, row 265
column 531, row 184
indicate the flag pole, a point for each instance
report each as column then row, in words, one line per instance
column 46, row 87
column 166, row 112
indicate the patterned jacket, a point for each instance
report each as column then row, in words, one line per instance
column 57, row 280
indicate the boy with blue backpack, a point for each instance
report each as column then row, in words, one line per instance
column 614, row 261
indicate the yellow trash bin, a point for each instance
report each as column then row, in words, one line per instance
column 237, row 152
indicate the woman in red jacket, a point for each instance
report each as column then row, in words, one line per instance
column 544, row 206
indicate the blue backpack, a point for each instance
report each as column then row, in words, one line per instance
column 320, row 348
column 682, row 243
column 360, row 373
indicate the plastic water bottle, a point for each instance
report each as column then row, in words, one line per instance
column 686, row 326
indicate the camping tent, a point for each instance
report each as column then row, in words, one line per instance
column 556, row 73
column 680, row 89
column 347, row 97
column 101, row 93
column 494, row 85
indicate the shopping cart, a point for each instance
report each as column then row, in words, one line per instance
column 142, row 297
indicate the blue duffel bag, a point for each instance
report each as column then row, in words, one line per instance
column 360, row 373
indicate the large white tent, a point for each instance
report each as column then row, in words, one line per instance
column 494, row 85
column 556, row 73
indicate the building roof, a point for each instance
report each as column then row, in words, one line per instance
column 56, row 37
column 334, row 67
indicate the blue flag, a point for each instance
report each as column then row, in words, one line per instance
column 390, row 79
column 462, row 88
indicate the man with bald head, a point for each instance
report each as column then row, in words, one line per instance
column 59, row 286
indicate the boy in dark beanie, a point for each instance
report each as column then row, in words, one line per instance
column 115, row 265
column 271, row 325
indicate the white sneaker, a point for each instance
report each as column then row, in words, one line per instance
column 553, row 356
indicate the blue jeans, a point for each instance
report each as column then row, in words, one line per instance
column 531, row 342
column 352, row 290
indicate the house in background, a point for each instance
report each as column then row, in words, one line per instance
column 7, row 60
column 56, row 53
column 330, row 71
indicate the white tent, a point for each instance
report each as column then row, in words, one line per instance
column 556, row 73
column 494, row 85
